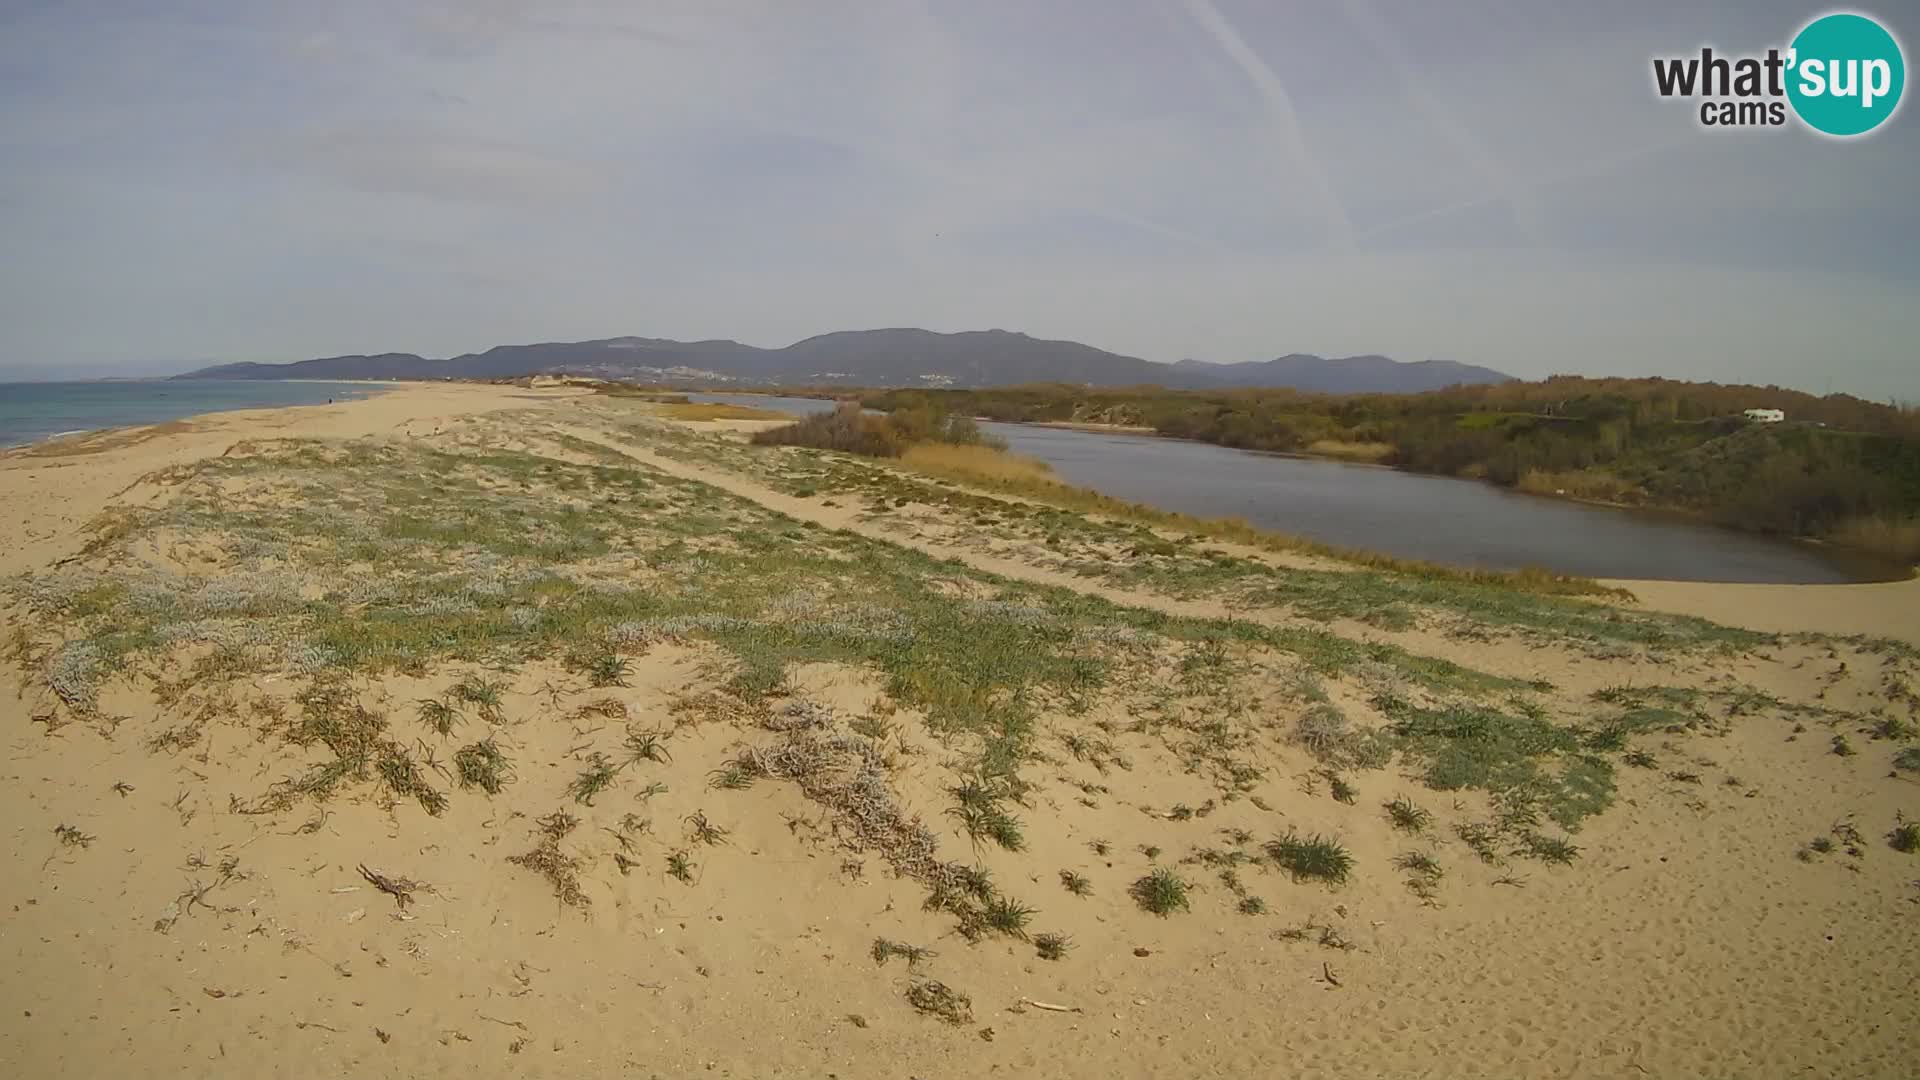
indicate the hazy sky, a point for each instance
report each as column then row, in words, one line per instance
column 1491, row 181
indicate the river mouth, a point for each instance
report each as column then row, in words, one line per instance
column 1454, row 522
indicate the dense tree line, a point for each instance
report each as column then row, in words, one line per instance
column 850, row 429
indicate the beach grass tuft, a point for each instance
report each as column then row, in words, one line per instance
column 1161, row 892
column 1311, row 858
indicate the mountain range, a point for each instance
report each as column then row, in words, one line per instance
column 877, row 358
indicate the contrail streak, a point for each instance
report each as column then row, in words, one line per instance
column 1526, row 211
column 1286, row 121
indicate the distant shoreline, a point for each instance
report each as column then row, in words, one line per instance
column 79, row 401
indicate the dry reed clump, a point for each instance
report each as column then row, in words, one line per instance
column 332, row 716
column 846, row 428
column 546, row 859
column 1351, row 451
column 957, row 461
column 845, row 773
column 1593, row 484
column 1887, row 538
column 936, row 998
column 799, row 716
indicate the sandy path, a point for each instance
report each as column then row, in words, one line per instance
column 848, row 519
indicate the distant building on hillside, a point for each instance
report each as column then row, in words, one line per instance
column 1766, row 416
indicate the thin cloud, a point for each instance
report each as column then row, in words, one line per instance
column 441, row 166
column 1272, row 93
column 1504, row 184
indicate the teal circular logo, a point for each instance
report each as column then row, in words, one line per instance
column 1845, row 74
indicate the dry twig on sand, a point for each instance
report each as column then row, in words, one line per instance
column 401, row 889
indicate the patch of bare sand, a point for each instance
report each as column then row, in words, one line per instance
column 1882, row 609
column 187, row 937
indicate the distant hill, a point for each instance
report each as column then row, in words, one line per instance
column 876, row 358
column 1344, row 375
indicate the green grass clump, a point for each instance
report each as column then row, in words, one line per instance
column 704, row 831
column 1160, row 892
column 597, row 777
column 1907, row 760
column 1076, row 884
column 607, row 669
column 1895, row 728
column 1905, row 837
column 1419, row 864
column 1340, row 789
column 680, row 866
column 1406, row 816
column 981, row 815
column 1007, row 916
column 1252, row 905
column 734, row 776
column 439, row 715
column 482, row 694
column 1052, row 946
column 1470, row 746
column 482, row 765
column 1312, row 858
column 1547, row 849
column 647, row 746
column 397, row 769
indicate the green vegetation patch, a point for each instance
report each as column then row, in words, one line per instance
column 1471, row 746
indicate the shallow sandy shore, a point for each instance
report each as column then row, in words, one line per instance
column 1882, row 609
column 1687, row 940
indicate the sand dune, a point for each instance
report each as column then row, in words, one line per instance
column 754, row 710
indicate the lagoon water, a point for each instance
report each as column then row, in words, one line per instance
column 30, row 412
column 1435, row 518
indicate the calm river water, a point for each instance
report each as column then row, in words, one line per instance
column 1436, row 518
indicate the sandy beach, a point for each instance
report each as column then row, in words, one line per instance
column 478, row 729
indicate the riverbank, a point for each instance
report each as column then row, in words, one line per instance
column 427, row 733
column 1840, row 469
column 1377, row 514
column 1870, row 557
column 1882, row 609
